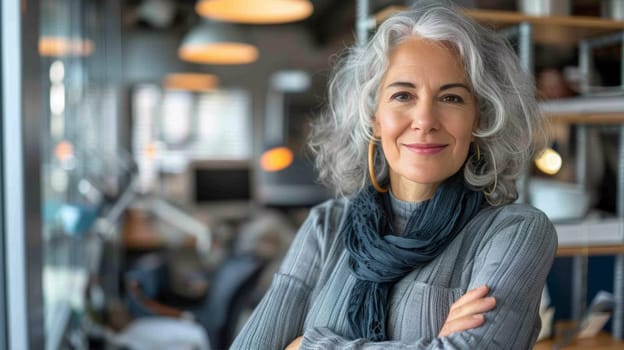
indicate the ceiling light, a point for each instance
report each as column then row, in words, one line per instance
column 195, row 82
column 255, row 11
column 57, row 37
column 217, row 43
column 50, row 46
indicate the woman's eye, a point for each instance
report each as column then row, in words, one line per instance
column 452, row 99
column 401, row 96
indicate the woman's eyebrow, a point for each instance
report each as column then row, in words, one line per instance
column 442, row 88
column 401, row 84
column 454, row 85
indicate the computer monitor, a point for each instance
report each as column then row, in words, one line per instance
column 222, row 182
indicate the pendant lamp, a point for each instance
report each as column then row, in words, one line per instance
column 195, row 82
column 57, row 37
column 58, row 46
column 255, row 11
column 214, row 42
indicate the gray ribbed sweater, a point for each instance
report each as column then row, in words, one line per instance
column 508, row 248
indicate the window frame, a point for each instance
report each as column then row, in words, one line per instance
column 21, row 259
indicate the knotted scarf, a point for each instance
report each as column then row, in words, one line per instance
column 379, row 258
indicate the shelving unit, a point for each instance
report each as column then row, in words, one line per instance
column 587, row 33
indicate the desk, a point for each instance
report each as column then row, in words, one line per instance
column 141, row 233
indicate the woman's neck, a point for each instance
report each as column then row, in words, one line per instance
column 410, row 191
column 401, row 212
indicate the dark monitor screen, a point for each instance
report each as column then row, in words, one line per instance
column 222, row 184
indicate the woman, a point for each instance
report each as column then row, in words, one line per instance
column 427, row 251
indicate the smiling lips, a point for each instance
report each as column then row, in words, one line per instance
column 426, row 148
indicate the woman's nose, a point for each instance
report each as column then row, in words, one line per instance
column 424, row 117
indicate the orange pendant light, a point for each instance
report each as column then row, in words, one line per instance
column 57, row 37
column 217, row 43
column 195, row 82
column 50, row 46
column 255, row 11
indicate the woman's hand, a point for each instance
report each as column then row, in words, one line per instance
column 294, row 345
column 467, row 311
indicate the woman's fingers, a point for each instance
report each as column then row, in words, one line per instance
column 294, row 345
column 473, row 307
column 471, row 295
column 467, row 312
column 461, row 324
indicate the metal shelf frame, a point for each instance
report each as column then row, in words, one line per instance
column 586, row 48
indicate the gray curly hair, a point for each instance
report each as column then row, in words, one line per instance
column 505, row 94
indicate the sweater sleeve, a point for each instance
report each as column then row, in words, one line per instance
column 278, row 318
column 513, row 259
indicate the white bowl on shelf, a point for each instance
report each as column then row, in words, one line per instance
column 560, row 201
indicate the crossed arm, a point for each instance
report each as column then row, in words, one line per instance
column 465, row 313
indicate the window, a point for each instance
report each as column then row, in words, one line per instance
column 3, row 310
column 207, row 134
column 20, row 175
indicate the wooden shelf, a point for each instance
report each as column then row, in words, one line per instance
column 587, row 118
column 559, row 30
column 614, row 249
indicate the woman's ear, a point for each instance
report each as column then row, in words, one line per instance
column 475, row 127
column 376, row 132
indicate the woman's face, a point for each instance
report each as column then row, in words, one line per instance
column 425, row 117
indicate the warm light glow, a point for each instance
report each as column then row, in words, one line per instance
column 549, row 161
column 255, row 11
column 64, row 151
column 219, row 53
column 195, row 82
column 150, row 150
column 62, row 46
column 57, row 72
column 57, row 98
column 276, row 159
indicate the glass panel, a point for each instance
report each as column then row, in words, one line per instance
column 84, row 171
column 3, row 310
column 21, row 281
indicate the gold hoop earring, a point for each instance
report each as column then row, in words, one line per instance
column 477, row 151
column 371, row 167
